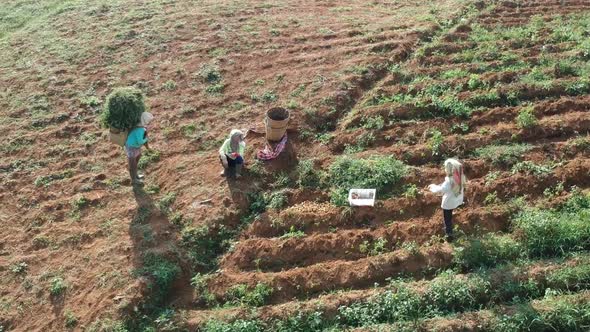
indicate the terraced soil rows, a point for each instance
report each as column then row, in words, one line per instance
column 463, row 93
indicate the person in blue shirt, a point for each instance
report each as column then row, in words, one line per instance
column 136, row 138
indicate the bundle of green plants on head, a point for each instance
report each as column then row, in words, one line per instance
column 377, row 172
column 123, row 108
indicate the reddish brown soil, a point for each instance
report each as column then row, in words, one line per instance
column 324, row 59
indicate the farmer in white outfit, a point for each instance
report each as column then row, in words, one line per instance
column 452, row 190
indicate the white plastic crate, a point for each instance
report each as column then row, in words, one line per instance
column 362, row 197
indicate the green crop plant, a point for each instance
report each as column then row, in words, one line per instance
column 169, row 85
column 293, row 233
column 57, row 286
column 204, row 243
column 530, row 167
column 209, row 73
column 19, row 268
column 502, row 155
column 70, row 319
column 380, row 172
column 546, row 232
column 269, row 96
column 166, row 202
column 373, row 248
column 435, row 142
column 199, row 283
column 584, row 50
column 487, row 251
column 276, row 200
column 474, row 82
column 241, row 294
column 460, row 128
column 308, row 176
column 363, row 141
column 215, row 89
column 454, row 73
column 411, row 191
column 449, row 294
column 491, row 198
column 46, row 180
column 564, row 68
column 526, row 118
column 537, row 78
column 373, row 123
column 123, row 108
column 485, row 98
column 578, row 87
column 161, row 270
column 147, row 158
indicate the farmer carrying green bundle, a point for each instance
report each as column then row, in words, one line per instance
column 231, row 154
column 452, row 190
column 137, row 137
column 126, row 116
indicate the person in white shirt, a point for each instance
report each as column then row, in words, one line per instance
column 452, row 190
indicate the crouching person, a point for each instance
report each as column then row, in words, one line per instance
column 231, row 154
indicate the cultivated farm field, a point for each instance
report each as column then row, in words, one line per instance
column 380, row 94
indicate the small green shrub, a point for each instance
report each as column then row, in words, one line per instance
column 19, row 268
column 411, row 191
column 373, row 123
column 491, row 198
column 461, row 128
column 573, row 278
column 550, row 233
column 241, row 294
column 204, row 244
column 448, row 293
column 293, row 233
column 530, row 167
column 269, row 96
column 235, row 326
column 123, row 108
column 563, row 68
column 215, row 89
column 526, row 118
column 435, row 142
column 378, row 172
column 276, row 200
column 142, row 215
column 374, row 248
column 147, row 158
column 166, row 202
column 70, row 319
column 487, row 251
column 169, row 85
column 161, row 270
column 200, row 284
column 210, row 73
column 309, row 177
column 400, row 304
column 474, row 82
column 57, row 286
column 46, row 180
column 502, row 155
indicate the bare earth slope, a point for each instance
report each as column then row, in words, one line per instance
column 74, row 234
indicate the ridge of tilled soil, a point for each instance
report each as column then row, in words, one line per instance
column 328, row 304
